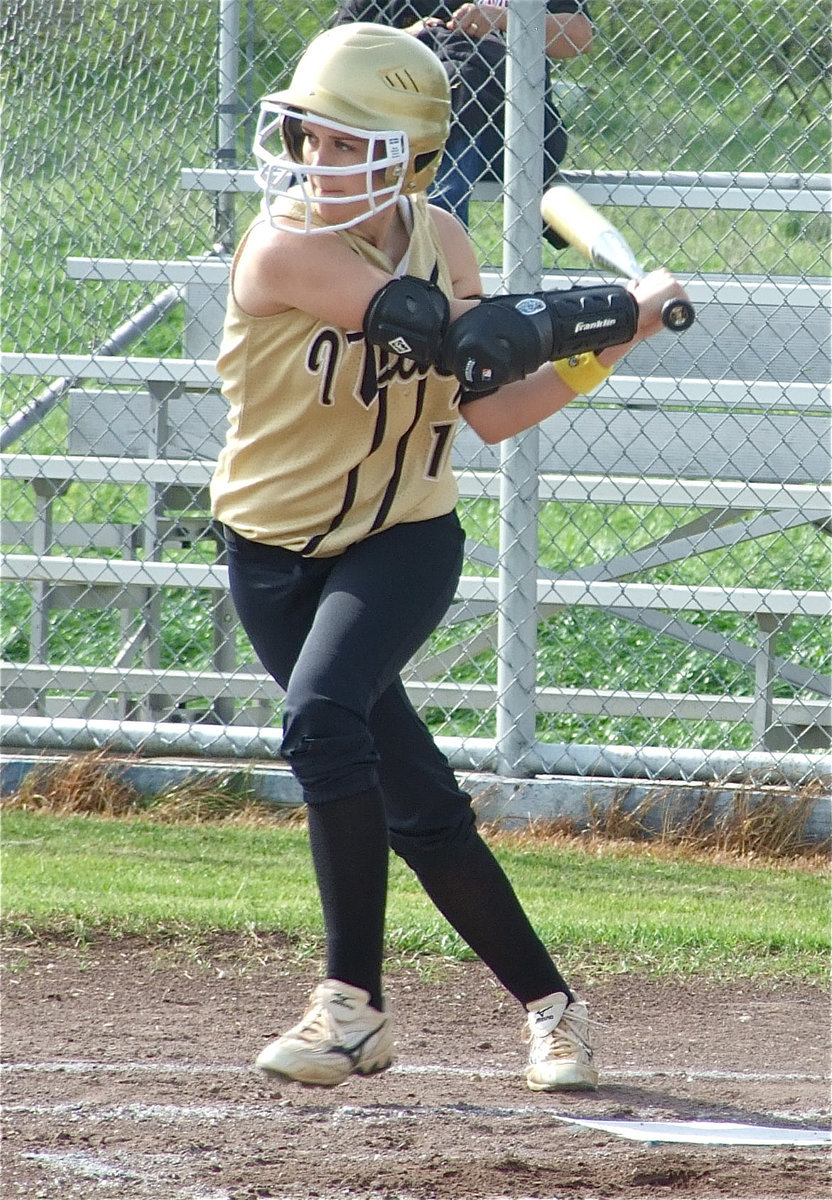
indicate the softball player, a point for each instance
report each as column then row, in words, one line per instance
column 355, row 341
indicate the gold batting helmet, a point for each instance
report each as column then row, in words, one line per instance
column 375, row 83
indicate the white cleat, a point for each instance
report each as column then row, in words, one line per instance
column 339, row 1035
column 560, row 1054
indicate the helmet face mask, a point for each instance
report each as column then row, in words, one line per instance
column 373, row 83
column 284, row 176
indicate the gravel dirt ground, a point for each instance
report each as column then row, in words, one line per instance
column 127, row 1073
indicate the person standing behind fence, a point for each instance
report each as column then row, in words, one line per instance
column 470, row 42
column 356, row 338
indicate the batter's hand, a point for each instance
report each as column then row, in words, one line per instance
column 652, row 292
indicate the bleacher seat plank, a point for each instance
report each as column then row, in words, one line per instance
column 210, row 270
column 557, row 593
column 195, row 372
column 746, row 191
column 198, row 684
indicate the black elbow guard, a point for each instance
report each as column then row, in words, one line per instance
column 408, row 316
column 505, row 338
column 499, row 341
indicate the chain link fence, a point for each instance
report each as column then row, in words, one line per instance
column 646, row 589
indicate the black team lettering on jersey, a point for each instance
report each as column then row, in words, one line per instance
column 401, row 451
column 323, row 357
column 347, row 503
column 378, row 369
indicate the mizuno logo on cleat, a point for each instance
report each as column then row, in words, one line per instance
column 342, row 1000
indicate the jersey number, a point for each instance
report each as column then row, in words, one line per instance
column 441, row 432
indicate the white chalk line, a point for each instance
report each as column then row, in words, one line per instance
column 91, row 1066
column 87, row 1167
column 146, row 1174
column 249, row 1111
column 217, row 1114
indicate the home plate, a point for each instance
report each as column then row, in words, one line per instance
column 708, row 1133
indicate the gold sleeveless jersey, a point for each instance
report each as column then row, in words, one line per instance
column 331, row 440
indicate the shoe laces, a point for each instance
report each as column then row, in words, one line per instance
column 323, row 1021
column 317, row 1024
column 563, row 1039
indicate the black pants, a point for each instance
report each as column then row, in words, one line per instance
column 335, row 634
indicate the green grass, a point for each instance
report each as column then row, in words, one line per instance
column 629, row 910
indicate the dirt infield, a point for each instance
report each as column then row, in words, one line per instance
column 127, row 1074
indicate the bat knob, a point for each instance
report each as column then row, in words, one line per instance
column 678, row 315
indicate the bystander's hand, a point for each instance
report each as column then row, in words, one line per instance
column 477, row 20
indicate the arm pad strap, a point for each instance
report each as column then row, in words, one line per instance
column 507, row 337
column 408, row 316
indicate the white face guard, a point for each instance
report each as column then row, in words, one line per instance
column 282, row 178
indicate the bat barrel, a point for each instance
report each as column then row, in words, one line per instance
column 582, row 226
column 611, row 249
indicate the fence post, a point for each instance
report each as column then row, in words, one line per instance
column 225, row 155
column 522, row 268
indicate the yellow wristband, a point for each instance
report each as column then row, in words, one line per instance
column 582, row 372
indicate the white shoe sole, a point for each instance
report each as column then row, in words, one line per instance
column 575, row 1078
column 304, row 1066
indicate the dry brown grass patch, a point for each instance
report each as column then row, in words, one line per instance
column 752, row 823
column 81, row 783
column 97, row 783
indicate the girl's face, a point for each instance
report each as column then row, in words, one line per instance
column 342, row 176
column 324, row 147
